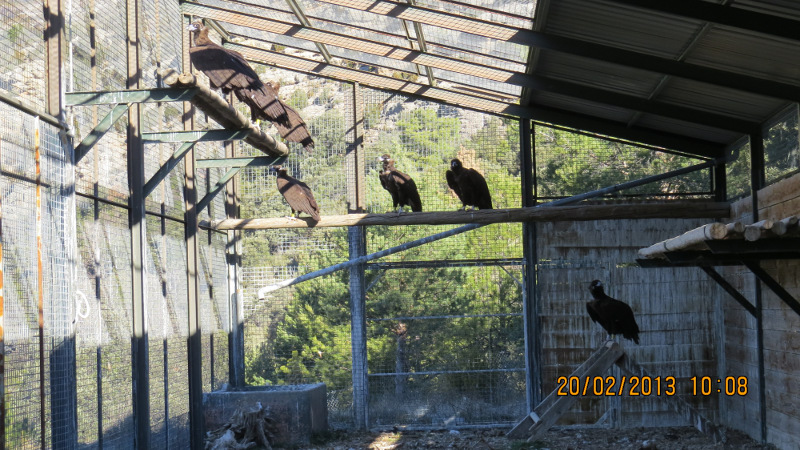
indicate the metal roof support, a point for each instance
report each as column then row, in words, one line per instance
column 218, row 187
column 301, row 16
column 447, row 263
column 565, row 118
column 723, row 15
column 100, row 130
column 194, row 136
column 723, row 283
column 528, row 81
column 129, row 96
column 574, row 46
column 757, row 178
column 164, row 170
column 255, row 161
column 776, row 287
column 423, row 46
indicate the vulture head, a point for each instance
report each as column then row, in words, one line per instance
column 455, row 166
column 596, row 288
column 387, row 160
column 199, row 31
column 278, row 170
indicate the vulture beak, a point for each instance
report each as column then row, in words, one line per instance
column 381, row 158
column 191, row 27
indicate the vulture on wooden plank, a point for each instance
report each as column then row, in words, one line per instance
column 400, row 185
column 297, row 194
column 228, row 71
column 469, row 185
column 613, row 315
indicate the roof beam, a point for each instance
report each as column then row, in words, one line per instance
column 723, row 15
column 534, row 82
column 573, row 46
column 301, row 16
column 565, row 118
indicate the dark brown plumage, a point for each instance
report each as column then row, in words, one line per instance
column 401, row 186
column 469, row 186
column 228, row 71
column 297, row 194
column 614, row 316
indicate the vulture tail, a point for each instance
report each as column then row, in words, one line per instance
column 265, row 106
column 296, row 130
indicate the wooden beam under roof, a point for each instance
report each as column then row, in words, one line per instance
column 727, row 15
column 573, row 46
column 652, row 137
column 531, row 81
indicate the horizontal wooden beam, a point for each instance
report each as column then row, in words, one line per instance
column 223, row 113
column 550, row 115
column 531, row 214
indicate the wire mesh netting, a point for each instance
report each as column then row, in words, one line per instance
column 782, row 147
column 23, row 60
column 569, row 162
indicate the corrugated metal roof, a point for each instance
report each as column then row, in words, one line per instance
column 660, row 70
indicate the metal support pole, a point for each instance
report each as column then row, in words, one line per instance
column 140, row 352
column 530, row 300
column 354, row 159
column 756, row 183
column 195, row 340
column 356, row 237
column 2, row 328
column 233, row 258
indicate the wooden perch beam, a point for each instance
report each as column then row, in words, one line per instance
column 535, row 214
column 224, row 114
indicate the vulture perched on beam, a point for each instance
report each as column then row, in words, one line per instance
column 228, row 71
column 401, row 186
column 469, row 186
column 297, row 194
column 613, row 315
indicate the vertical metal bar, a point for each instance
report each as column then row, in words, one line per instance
column 720, row 182
column 533, row 391
column 40, row 283
column 358, row 328
column 2, row 327
column 355, row 155
column 195, row 342
column 140, row 351
column 54, row 41
column 357, row 239
column 232, row 253
column 756, row 183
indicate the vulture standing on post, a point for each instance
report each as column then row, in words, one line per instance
column 469, row 185
column 297, row 194
column 401, row 186
column 614, row 316
column 228, row 71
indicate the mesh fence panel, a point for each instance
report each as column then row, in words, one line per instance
column 781, row 147
column 22, row 63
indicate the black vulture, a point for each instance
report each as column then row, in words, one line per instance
column 400, row 185
column 228, row 71
column 614, row 316
column 297, row 194
column 469, row 185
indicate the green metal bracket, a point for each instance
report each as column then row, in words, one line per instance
column 162, row 173
column 257, row 161
column 195, row 136
column 201, row 205
column 130, row 96
column 100, row 130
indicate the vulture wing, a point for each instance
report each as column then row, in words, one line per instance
column 407, row 190
column 299, row 196
column 479, row 190
column 452, row 181
column 388, row 183
column 624, row 322
column 296, row 129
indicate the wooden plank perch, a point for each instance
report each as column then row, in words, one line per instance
column 486, row 216
column 687, row 240
column 224, row 114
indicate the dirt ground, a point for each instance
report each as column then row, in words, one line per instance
column 679, row 438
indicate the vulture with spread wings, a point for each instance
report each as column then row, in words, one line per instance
column 297, row 194
column 469, row 185
column 614, row 316
column 401, row 186
column 228, row 71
